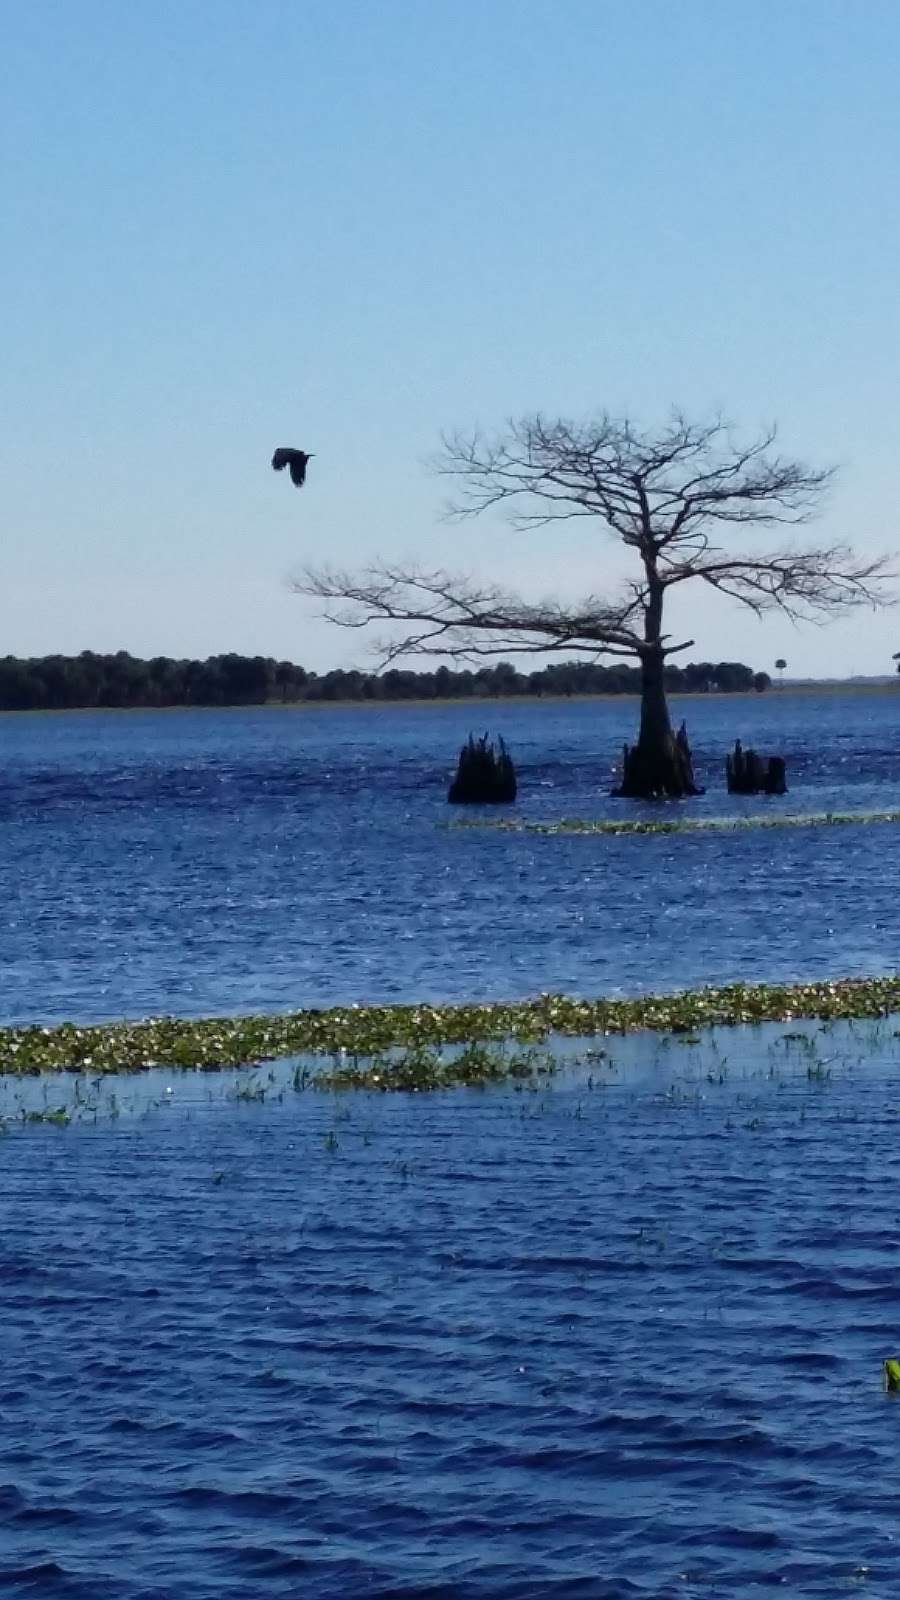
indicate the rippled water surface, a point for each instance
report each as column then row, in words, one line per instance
column 200, row 862
column 619, row 1335
column 615, row 1334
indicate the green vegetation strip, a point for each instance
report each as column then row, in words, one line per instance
column 825, row 819
column 425, row 1068
column 354, row 1032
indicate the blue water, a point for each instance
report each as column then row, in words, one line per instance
column 199, row 862
column 620, row 1335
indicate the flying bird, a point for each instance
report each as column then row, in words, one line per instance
column 295, row 459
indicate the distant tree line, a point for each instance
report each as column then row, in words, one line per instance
column 121, row 680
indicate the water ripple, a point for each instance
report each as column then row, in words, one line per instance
column 616, row 1363
column 227, row 861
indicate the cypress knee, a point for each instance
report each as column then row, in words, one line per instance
column 484, row 776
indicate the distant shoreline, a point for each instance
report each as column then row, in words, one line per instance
column 831, row 686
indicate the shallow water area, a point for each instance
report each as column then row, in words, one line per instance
column 616, row 1332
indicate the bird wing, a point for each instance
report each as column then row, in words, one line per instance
column 281, row 458
column 298, row 468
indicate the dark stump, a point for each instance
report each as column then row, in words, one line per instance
column 749, row 773
column 484, row 776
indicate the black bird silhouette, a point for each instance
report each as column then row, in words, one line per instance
column 295, row 459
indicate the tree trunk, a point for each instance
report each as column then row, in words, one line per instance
column 659, row 766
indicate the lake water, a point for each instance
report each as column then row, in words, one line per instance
column 617, row 1334
column 621, row 1336
column 199, row 862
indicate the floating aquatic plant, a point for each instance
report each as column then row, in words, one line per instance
column 824, row 819
column 209, row 1044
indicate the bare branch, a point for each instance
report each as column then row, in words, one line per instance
column 638, row 484
column 807, row 585
column 669, row 494
column 452, row 616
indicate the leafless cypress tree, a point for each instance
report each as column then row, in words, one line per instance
column 680, row 497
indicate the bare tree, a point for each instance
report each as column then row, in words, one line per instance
column 673, row 496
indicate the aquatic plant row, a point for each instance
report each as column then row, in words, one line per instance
column 209, row 1044
column 825, row 819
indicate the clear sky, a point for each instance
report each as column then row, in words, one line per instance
column 231, row 224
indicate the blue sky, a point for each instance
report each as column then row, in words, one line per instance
column 345, row 226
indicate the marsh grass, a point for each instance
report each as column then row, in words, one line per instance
column 425, row 1068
